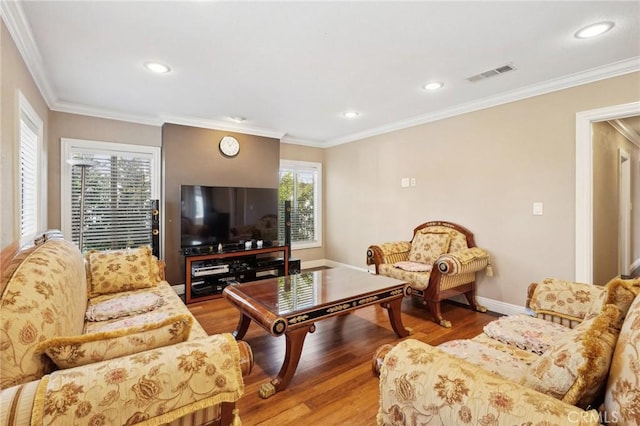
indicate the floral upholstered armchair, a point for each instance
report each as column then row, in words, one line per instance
column 441, row 261
column 576, row 361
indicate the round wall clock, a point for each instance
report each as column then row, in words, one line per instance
column 229, row 146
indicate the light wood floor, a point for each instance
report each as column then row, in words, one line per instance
column 333, row 384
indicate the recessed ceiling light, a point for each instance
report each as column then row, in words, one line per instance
column 350, row 114
column 238, row 119
column 434, row 85
column 594, row 30
column 157, row 67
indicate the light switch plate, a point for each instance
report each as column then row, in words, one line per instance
column 538, row 208
column 404, row 182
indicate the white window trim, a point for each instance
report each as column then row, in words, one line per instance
column 314, row 166
column 25, row 109
column 67, row 146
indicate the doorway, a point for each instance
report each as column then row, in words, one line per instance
column 584, row 183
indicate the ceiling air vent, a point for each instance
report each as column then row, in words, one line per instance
column 491, row 73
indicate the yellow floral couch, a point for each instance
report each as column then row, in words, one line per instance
column 440, row 261
column 107, row 341
column 576, row 361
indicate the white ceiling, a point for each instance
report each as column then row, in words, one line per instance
column 291, row 68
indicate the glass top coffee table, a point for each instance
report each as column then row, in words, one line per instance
column 291, row 305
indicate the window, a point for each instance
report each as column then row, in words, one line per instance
column 30, row 160
column 300, row 183
column 119, row 186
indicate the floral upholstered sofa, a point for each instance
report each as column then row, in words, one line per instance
column 440, row 261
column 577, row 361
column 106, row 341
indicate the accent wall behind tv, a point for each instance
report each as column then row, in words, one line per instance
column 191, row 157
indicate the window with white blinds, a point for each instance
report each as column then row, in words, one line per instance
column 29, row 170
column 300, row 183
column 119, row 186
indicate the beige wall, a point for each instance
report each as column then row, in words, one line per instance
column 607, row 142
column 191, row 157
column 305, row 153
column 483, row 170
column 14, row 78
column 74, row 126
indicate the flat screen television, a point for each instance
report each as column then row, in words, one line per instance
column 212, row 215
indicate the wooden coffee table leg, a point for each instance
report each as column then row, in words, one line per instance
column 242, row 327
column 295, row 341
column 394, row 307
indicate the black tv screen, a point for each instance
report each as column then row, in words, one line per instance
column 212, row 215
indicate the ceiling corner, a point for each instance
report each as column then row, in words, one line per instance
column 14, row 18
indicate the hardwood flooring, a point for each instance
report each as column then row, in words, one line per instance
column 333, row 384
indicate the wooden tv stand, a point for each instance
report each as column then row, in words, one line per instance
column 206, row 275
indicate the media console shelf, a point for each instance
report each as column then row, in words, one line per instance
column 208, row 274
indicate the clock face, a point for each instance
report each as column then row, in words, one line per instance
column 229, row 146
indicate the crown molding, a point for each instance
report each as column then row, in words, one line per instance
column 222, row 125
column 73, row 108
column 305, row 142
column 595, row 74
column 626, row 131
column 13, row 17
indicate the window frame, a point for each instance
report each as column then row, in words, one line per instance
column 27, row 113
column 306, row 166
column 68, row 146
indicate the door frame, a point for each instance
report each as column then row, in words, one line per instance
column 624, row 211
column 584, row 182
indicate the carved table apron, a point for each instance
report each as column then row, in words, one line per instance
column 291, row 305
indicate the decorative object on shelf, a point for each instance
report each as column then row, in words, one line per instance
column 229, row 146
column 83, row 164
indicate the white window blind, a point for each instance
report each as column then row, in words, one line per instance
column 29, row 170
column 119, row 187
column 300, row 183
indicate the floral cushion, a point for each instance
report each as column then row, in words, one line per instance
column 526, row 332
column 121, row 270
column 73, row 351
column 413, row 266
column 622, row 396
column 569, row 300
column 173, row 305
column 133, row 321
column 152, row 388
column 620, row 293
column 575, row 369
column 417, row 280
column 129, row 304
column 502, row 363
column 427, row 246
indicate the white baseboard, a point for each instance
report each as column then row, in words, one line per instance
column 332, row 264
column 500, row 307
column 491, row 304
